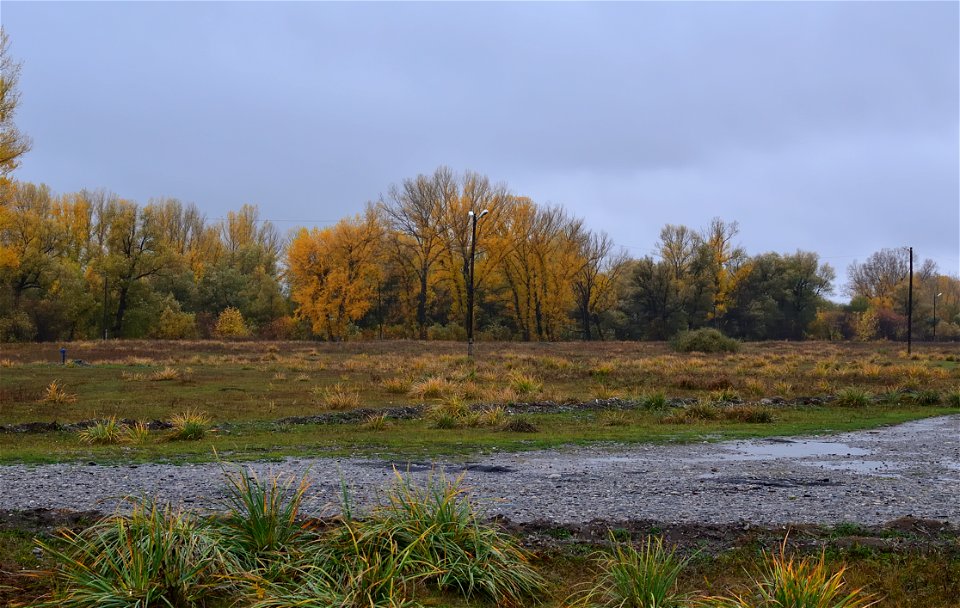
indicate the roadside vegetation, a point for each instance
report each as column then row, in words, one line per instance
column 179, row 400
column 430, row 546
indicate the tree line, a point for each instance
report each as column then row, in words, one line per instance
column 92, row 264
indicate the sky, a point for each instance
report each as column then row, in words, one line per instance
column 828, row 127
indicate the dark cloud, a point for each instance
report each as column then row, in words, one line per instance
column 824, row 126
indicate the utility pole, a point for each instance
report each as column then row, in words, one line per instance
column 935, row 296
column 470, row 285
column 910, row 305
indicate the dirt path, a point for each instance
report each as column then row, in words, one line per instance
column 867, row 477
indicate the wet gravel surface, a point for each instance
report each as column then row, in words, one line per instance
column 867, row 477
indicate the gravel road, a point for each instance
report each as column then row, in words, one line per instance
column 868, row 477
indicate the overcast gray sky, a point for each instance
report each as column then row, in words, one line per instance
column 830, row 127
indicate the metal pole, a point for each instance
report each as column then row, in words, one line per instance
column 935, row 296
column 105, row 281
column 473, row 252
column 910, row 306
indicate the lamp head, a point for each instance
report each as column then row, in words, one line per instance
column 484, row 212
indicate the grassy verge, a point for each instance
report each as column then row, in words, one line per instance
column 418, row 438
column 428, row 546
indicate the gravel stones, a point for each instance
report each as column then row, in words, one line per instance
column 866, row 477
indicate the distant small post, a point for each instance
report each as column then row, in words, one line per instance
column 470, row 284
column 910, row 306
column 63, row 356
column 935, row 315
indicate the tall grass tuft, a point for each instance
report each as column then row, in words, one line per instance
column 154, row 557
column 853, row 397
column 434, row 534
column 190, row 425
column 138, row 434
column 525, row 385
column 262, row 524
column 338, row 397
column 56, row 393
column 104, row 432
column 636, row 578
column 788, row 582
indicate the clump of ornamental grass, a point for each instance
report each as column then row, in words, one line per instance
column 789, row 582
column 262, row 527
column 525, row 385
column 519, row 424
column 926, row 397
column 103, row 432
column 632, row 577
column 654, row 401
column 56, row 393
column 750, row 414
column 434, row 535
column 491, row 416
column 853, row 396
column 165, row 374
column 953, row 398
column 155, row 556
column 190, row 425
column 449, row 414
column 338, row 397
column 614, row 418
column 375, row 422
column 434, row 387
column 396, row 386
column 138, row 433
column 697, row 412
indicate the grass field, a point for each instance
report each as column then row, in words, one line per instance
column 245, row 389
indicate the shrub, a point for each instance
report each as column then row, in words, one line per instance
column 706, row 340
column 632, row 578
column 190, row 425
column 103, row 432
column 174, row 324
column 230, row 324
column 56, row 393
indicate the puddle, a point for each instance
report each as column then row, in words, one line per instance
column 793, row 449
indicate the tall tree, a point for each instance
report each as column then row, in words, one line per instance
column 13, row 143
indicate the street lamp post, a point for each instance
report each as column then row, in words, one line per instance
column 935, row 315
column 470, row 285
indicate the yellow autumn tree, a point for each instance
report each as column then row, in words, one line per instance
column 334, row 272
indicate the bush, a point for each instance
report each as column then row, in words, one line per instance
column 175, row 324
column 704, row 340
column 18, row 327
column 230, row 324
